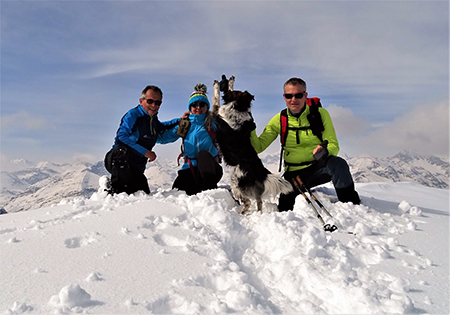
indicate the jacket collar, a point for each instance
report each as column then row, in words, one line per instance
column 299, row 114
column 199, row 119
column 144, row 112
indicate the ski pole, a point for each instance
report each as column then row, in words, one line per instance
column 302, row 188
column 313, row 196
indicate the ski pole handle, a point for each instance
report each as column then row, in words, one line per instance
column 299, row 181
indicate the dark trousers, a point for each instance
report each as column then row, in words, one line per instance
column 333, row 169
column 204, row 176
column 124, row 176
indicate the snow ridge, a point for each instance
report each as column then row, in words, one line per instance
column 29, row 185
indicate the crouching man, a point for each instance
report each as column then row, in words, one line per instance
column 137, row 135
column 311, row 146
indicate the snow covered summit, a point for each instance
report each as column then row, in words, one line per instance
column 169, row 253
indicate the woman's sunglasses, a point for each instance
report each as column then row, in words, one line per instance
column 198, row 104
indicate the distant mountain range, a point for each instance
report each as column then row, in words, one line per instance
column 429, row 171
column 25, row 185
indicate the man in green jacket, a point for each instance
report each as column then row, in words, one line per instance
column 303, row 154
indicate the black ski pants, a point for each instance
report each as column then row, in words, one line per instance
column 333, row 169
column 125, row 177
column 204, row 176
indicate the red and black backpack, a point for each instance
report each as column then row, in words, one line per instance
column 315, row 125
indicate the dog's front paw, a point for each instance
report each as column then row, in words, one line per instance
column 231, row 83
column 223, row 84
column 249, row 125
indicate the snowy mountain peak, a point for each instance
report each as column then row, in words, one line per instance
column 46, row 183
column 20, row 162
column 429, row 171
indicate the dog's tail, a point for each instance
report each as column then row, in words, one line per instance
column 274, row 184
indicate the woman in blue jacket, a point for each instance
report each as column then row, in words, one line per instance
column 201, row 170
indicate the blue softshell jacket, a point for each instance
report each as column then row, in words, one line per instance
column 196, row 139
column 139, row 131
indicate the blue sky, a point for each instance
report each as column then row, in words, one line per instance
column 71, row 69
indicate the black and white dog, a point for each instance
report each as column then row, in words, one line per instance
column 249, row 178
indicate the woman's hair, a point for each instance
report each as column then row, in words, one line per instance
column 208, row 120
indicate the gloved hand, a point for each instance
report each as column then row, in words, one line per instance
column 322, row 153
column 223, row 84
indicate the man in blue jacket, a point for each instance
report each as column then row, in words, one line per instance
column 137, row 135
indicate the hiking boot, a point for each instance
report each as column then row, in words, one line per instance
column 348, row 194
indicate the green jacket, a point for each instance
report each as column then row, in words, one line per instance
column 299, row 148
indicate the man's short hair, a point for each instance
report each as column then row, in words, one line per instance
column 151, row 87
column 295, row 81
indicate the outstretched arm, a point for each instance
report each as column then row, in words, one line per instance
column 269, row 134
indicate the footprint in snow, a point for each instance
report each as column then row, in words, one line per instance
column 73, row 242
column 169, row 240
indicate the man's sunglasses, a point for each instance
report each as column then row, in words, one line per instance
column 150, row 102
column 199, row 104
column 297, row 95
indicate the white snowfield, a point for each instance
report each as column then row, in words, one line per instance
column 169, row 253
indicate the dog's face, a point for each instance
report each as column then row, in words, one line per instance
column 243, row 100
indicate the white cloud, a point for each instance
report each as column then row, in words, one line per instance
column 424, row 130
column 20, row 122
column 373, row 57
column 346, row 123
column 378, row 47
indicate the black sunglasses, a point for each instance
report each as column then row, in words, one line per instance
column 297, row 95
column 198, row 104
column 150, row 102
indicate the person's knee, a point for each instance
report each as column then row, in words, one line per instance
column 204, row 155
column 336, row 163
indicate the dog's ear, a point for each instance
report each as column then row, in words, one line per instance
column 249, row 96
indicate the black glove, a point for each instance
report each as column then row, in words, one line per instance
column 223, row 84
column 322, row 153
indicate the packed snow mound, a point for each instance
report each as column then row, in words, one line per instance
column 169, row 253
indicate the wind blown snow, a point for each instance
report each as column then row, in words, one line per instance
column 169, row 253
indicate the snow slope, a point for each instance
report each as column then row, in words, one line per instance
column 169, row 253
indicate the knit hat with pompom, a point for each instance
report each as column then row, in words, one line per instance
column 199, row 94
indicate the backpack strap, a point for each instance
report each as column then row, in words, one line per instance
column 283, row 133
column 314, row 118
column 284, row 130
column 183, row 128
column 212, row 134
column 284, row 126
